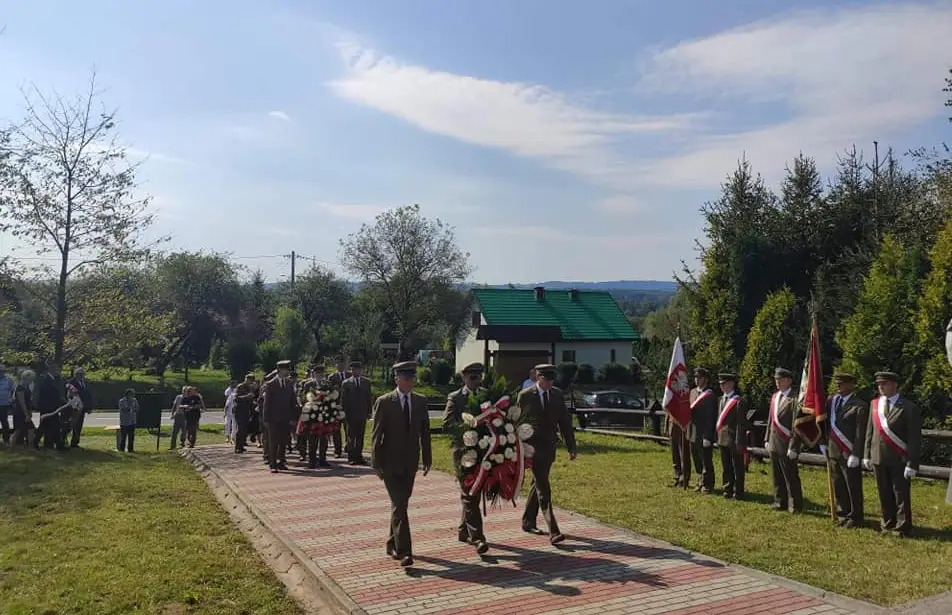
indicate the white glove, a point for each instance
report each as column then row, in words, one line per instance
column 868, row 464
column 852, row 461
column 908, row 473
column 792, row 454
column 706, row 443
column 823, row 449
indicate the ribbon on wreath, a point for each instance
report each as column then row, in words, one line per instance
column 500, row 473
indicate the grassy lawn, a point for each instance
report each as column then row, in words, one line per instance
column 99, row 532
column 623, row 482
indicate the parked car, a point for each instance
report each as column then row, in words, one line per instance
column 610, row 408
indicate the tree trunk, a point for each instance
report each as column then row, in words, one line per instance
column 59, row 333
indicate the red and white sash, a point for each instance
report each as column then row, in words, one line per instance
column 838, row 436
column 731, row 402
column 885, row 433
column 704, row 395
column 782, row 431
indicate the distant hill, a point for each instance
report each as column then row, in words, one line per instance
column 616, row 286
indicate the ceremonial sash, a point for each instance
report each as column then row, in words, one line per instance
column 731, row 402
column 781, row 431
column 882, row 426
column 838, row 436
column 704, row 395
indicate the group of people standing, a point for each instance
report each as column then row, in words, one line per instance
column 882, row 436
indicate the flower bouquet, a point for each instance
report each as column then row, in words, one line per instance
column 492, row 440
column 322, row 412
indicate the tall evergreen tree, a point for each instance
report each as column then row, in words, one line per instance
column 776, row 339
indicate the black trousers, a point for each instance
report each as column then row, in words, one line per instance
column 680, row 455
column 895, row 498
column 50, row 430
column 703, row 464
column 79, row 418
column 540, row 494
column 471, row 518
column 126, row 435
column 241, row 417
column 278, row 434
column 5, row 422
column 338, row 443
column 848, row 490
column 192, row 418
column 733, row 471
column 787, row 491
column 355, row 439
column 399, row 489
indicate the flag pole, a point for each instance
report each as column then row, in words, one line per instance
column 829, row 470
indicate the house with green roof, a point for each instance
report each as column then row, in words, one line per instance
column 514, row 329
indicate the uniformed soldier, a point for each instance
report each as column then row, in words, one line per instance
column 680, row 454
column 731, row 429
column 263, row 423
column 784, row 449
column 337, row 380
column 357, row 401
column 280, row 409
column 244, row 400
column 470, row 528
column 544, row 404
column 701, row 429
column 845, row 435
column 892, row 449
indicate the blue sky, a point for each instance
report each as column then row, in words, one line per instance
column 563, row 139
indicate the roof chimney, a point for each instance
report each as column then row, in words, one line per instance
column 573, row 294
column 539, row 293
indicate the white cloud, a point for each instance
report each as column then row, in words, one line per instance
column 527, row 120
column 843, row 76
column 279, row 115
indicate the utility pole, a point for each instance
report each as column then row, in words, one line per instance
column 876, row 190
column 293, row 257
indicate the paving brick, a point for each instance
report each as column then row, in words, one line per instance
column 339, row 518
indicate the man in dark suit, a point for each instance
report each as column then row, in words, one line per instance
column 545, row 407
column 81, row 385
column 892, row 451
column 244, row 400
column 280, row 409
column 845, row 434
column 457, row 402
column 401, row 432
column 337, row 380
column 48, row 400
column 730, row 429
column 700, row 432
column 783, row 447
column 357, row 400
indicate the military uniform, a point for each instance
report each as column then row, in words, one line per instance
column 244, row 402
column 280, row 409
column 357, row 400
column 845, row 434
column 784, row 448
column 549, row 416
column 731, row 428
column 700, row 433
column 470, row 528
column 337, row 380
column 262, row 423
column 400, row 436
column 892, row 450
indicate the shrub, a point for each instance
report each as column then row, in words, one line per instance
column 269, row 353
column 424, row 375
column 442, row 372
column 614, row 373
column 586, row 374
column 774, row 340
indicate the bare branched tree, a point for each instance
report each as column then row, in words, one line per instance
column 68, row 189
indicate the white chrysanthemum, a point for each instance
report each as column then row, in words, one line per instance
column 499, row 457
column 514, row 413
column 509, row 454
column 501, row 440
column 320, row 418
column 497, row 422
column 487, row 465
column 333, row 395
column 525, row 431
column 469, row 459
column 467, row 418
column 340, row 415
column 510, row 428
column 528, row 449
column 511, row 438
column 484, row 442
column 313, row 415
column 470, row 438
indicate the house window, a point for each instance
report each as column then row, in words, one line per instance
column 568, row 356
column 477, row 319
column 613, row 356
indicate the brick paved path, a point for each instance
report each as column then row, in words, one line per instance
column 339, row 517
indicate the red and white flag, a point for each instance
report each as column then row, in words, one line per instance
column 812, row 397
column 677, row 388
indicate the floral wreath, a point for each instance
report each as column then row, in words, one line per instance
column 492, row 439
column 322, row 411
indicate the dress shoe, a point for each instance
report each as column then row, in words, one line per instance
column 324, row 464
column 463, row 538
column 777, row 507
column 407, row 561
column 283, row 466
column 482, row 546
column 706, row 491
column 728, row 495
column 391, row 553
column 274, row 470
column 530, row 529
column 557, row 538
column 739, row 497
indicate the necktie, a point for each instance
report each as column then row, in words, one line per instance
column 406, row 409
column 545, row 400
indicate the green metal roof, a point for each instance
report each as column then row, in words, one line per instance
column 594, row 315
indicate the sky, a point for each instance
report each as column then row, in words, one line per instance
column 565, row 139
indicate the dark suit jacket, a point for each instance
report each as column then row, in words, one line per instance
column 547, row 423
column 85, row 394
column 851, row 421
column 905, row 420
column 357, row 398
column 703, row 417
column 456, row 404
column 49, row 395
column 395, row 446
column 734, row 428
column 786, row 411
column 336, row 379
column 280, row 402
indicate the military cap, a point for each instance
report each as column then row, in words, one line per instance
column 782, row 372
column 284, row 363
column 357, row 364
column 727, row 377
column 405, row 367
column 473, row 368
column 703, row 372
column 317, row 367
column 546, row 370
column 251, row 375
column 887, row 377
column 844, row 377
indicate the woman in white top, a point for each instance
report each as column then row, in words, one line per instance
column 230, row 412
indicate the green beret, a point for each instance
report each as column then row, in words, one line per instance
column 783, row 372
column 727, row 377
column 844, row 377
column 887, row 377
column 473, row 368
column 405, row 367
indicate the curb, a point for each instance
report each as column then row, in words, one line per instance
column 335, row 596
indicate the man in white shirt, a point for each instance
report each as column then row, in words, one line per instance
column 783, row 447
column 531, row 380
column 845, row 432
